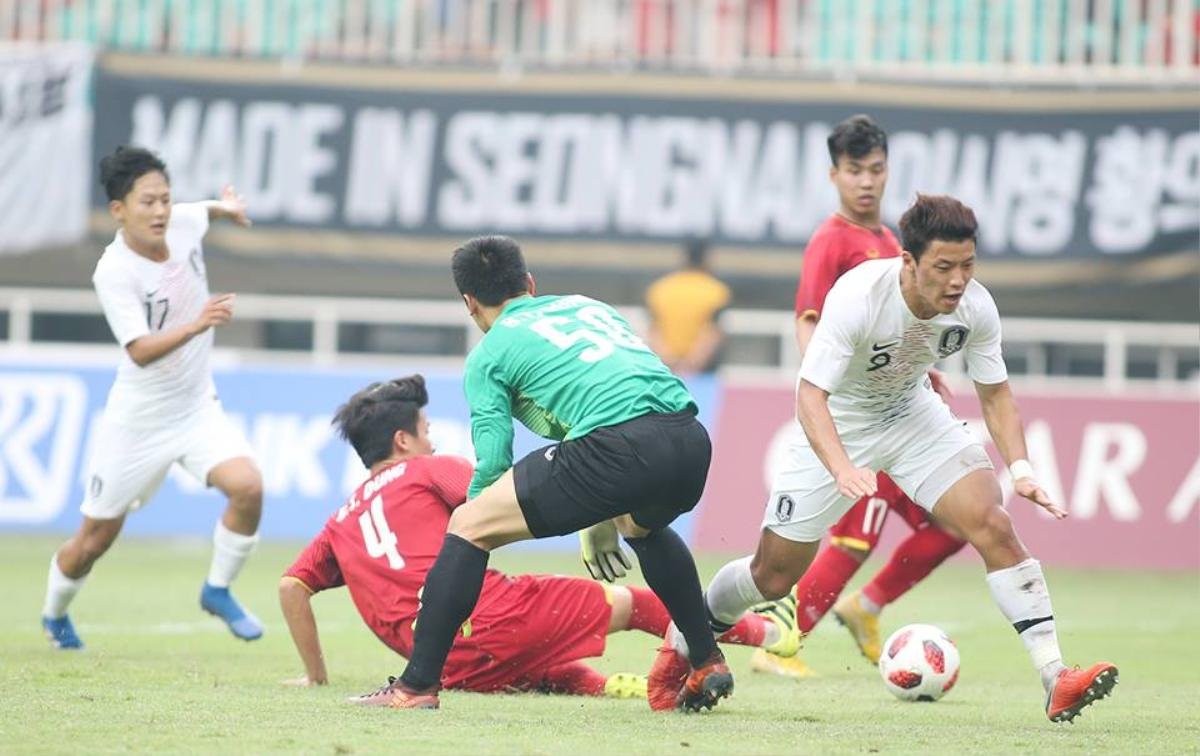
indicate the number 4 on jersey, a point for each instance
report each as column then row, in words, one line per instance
column 377, row 536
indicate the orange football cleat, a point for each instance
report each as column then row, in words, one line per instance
column 666, row 679
column 397, row 695
column 1076, row 688
column 707, row 684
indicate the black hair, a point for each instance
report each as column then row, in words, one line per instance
column 370, row 418
column 855, row 137
column 120, row 170
column 491, row 269
column 936, row 216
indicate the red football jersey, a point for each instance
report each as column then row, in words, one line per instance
column 381, row 543
column 836, row 247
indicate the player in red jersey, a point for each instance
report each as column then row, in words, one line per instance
column 858, row 149
column 528, row 632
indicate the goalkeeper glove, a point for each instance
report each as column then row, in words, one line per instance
column 600, row 547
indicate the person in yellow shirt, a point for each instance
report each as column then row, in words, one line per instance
column 683, row 308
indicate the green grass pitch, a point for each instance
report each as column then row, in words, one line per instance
column 158, row 675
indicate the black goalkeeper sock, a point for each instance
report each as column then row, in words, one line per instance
column 451, row 592
column 670, row 572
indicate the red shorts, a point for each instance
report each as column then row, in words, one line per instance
column 860, row 527
column 534, row 623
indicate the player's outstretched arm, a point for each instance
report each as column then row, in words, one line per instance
column 143, row 350
column 812, row 409
column 295, row 599
column 1004, row 424
column 231, row 206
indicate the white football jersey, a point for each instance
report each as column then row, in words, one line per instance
column 140, row 297
column 873, row 355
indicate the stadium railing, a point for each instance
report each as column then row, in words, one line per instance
column 1071, row 41
column 67, row 324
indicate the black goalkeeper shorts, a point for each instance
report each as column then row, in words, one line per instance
column 652, row 467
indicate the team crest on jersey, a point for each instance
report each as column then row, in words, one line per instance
column 784, row 508
column 952, row 340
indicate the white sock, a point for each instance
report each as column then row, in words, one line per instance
column 732, row 591
column 60, row 589
column 230, row 551
column 675, row 640
column 1021, row 593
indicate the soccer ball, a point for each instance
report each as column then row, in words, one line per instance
column 919, row 663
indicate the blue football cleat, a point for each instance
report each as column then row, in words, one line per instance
column 61, row 633
column 221, row 603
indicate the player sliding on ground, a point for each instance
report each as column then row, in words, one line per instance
column 865, row 405
column 631, row 457
column 162, row 408
column 528, row 632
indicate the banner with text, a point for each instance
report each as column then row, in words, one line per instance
column 1044, row 184
column 1127, row 470
column 45, row 145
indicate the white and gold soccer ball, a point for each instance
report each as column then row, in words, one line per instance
column 919, row 663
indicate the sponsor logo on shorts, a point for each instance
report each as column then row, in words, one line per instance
column 784, row 508
column 550, row 453
column 952, row 340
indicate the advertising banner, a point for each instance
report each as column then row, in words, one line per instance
column 48, row 413
column 45, row 145
column 1046, row 182
column 1127, row 470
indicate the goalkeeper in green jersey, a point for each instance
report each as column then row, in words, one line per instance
column 630, row 456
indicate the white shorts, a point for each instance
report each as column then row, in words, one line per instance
column 925, row 455
column 129, row 464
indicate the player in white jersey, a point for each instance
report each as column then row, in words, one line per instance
column 162, row 408
column 865, row 404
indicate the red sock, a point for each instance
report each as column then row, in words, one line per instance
column 912, row 560
column 750, row 630
column 573, row 679
column 648, row 615
column 821, row 585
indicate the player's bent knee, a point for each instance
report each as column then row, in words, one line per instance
column 470, row 523
column 248, row 490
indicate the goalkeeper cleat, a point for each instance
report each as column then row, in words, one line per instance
column 782, row 614
column 397, row 695
column 667, row 676
column 61, row 633
column 219, row 602
column 1076, row 689
column 707, row 684
column 784, row 666
column 625, row 685
column 863, row 625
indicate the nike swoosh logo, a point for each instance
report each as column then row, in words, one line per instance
column 881, row 347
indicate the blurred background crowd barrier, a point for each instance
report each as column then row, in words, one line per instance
column 371, row 137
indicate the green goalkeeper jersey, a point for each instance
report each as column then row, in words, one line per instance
column 563, row 366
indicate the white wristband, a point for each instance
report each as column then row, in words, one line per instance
column 1020, row 469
